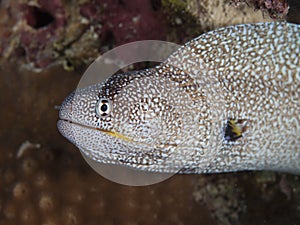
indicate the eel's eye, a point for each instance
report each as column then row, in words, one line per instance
column 103, row 107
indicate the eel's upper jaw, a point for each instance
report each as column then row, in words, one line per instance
column 66, row 109
column 66, row 123
column 76, row 130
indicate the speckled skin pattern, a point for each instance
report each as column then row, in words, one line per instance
column 172, row 118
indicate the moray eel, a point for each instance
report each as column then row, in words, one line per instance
column 225, row 101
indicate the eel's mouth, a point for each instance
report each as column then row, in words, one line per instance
column 111, row 133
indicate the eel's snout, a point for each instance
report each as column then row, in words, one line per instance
column 65, row 111
column 65, row 115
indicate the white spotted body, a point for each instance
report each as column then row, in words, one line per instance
column 175, row 116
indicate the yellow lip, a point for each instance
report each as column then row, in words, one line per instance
column 115, row 134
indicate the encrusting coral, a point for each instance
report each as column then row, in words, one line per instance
column 39, row 33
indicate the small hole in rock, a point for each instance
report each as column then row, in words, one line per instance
column 156, row 5
column 68, row 65
column 20, row 52
column 38, row 18
column 108, row 41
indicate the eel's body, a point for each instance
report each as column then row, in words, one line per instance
column 226, row 101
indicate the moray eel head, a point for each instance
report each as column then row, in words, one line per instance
column 138, row 119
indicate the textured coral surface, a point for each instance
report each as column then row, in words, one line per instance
column 41, row 33
column 44, row 179
column 73, row 33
